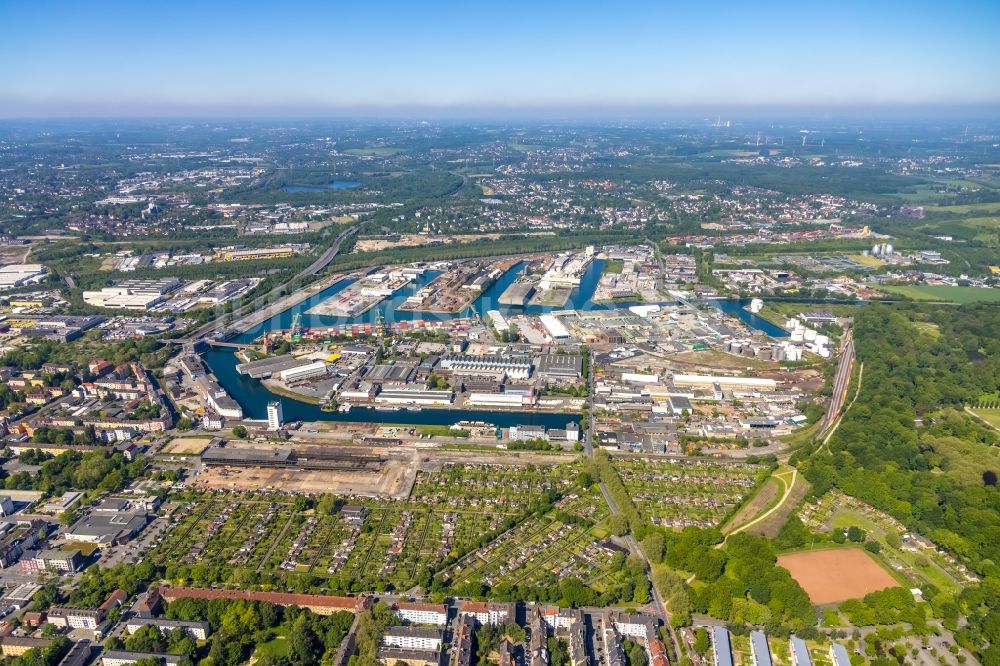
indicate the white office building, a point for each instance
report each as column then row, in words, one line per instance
column 123, row 658
column 275, row 416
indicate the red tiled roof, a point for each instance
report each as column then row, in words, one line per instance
column 352, row 604
column 117, row 597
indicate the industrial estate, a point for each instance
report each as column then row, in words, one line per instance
column 422, row 394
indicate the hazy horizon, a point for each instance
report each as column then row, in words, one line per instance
column 448, row 60
column 554, row 114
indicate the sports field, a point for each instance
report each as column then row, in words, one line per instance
column 835, row 575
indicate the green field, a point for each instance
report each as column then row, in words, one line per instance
column 274, row 649
column 866, row 260
column 991, row 416
column 928, row 328
column 986, row 208
column 945, row 293
column 614, row 266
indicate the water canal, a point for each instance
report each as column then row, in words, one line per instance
column 253, row 396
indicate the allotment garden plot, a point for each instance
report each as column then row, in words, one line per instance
column 236, row 531
column 570, row 540
column 364, row 543
column 682, row 493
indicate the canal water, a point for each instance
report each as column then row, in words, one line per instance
column 737, row 307
column 580, row 299
column 253, row 396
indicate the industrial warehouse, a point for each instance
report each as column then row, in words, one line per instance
column 299, row 457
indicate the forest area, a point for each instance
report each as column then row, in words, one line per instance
column 898, row 446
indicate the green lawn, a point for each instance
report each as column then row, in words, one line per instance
column 928, row 328
column 991, row 416
column 275, row 648
column 945, row 293
column 439, row 431
column 843, row 519
column 614, row 266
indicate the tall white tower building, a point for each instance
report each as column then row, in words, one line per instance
column 274, row 415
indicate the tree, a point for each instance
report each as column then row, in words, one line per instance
column 702, row 641
column 653, row 545
column 240, row 432
column 302, row 642
column 618, row 524
column 558, row 651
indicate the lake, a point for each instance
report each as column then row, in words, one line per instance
column 332, row 185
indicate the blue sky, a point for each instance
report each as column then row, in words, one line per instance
column 268, row 58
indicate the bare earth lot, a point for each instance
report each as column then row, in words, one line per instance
column 190, row 446
column 394, row 480
column 839, row 574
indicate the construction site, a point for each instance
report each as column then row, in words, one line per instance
column 374, row 466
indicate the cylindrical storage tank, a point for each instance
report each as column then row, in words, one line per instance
column 797, row 335
column 810, row 334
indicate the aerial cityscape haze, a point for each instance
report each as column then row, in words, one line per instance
column 533, row 334
column 319, row 58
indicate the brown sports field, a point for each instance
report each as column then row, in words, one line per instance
column 831, row 576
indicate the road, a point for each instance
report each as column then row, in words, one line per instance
column 633, row 545
column 840, row 383
column 315, row 267
column 325, row 258
column 588, row 434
